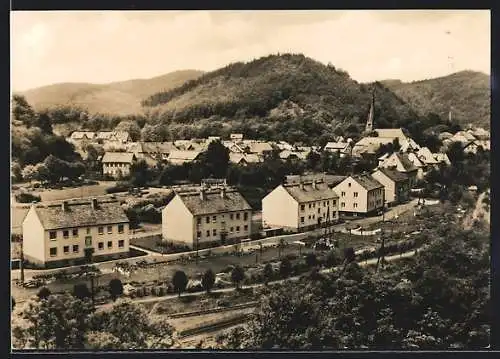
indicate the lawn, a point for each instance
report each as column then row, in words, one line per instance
column 78, row 192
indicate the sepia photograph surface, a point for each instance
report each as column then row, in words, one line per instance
column 252, row 180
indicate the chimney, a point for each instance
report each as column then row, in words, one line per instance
column 202, row 194
column 223, row 192
column 65, row 206
column 94, row 204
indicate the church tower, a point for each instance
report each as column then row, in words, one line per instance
column 369, row 122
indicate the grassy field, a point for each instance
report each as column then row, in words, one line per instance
column 79, row 192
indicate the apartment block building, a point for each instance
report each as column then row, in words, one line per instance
column 396, row 185
column 116, row 164
column 75, row 232
column 207, row 217
column 360, row 195
column 300, row 206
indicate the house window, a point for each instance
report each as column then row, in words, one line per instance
column 198, row 220
column 214, row 219
column 302, row 207
column 208, row 219
column 75, row 232
column 245, row 216
column 75, row 248
column 65, row 234
column 237, row 228
column 319, row 210
column 355, row 194
column 88, row 230
column 231, row 216
column 342, row 194
column 121, row 243
column 100, row 245
column 334, row 202
column 309, row 206
column 120, row 228
column 53, row 251
column 110, row 244
column 349, row 184
column 208, row 233
column 100, row 230
column 88, row 241
column 231, row 229
column 309, row 217
column 301, row 219
column 198, row 234
column 355, row 205
column 314, row 216
column 66, row 249
column 53, row 234
column 245, row 227
column 237, row 216
column 214, row 232
column 110, row 229
column 342, row 204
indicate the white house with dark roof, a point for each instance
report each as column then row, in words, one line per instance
column 75, row 232
column 360, row 195
column 116, row 164
column 342, row 148
column 300, row 206
column 396, row 185
column 207, row 217
column 401, row 163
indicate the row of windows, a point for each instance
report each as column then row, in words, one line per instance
column 74, row 231
column 354, row 194
column 313, row 205
column 354, row 205
column 76, row 247
column 231, row 217
column 214, row 231
column 117, row 164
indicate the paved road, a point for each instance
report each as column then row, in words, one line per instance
column 295, row 278
column 107, row 265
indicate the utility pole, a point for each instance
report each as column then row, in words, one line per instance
column 21, row 263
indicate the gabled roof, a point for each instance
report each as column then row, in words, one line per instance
column 393, row 175
column 78, row 135
column 113, row 135
column 391, row 133
column 158, row 147
column 287, row 153
column 118, row 157
column 403, row 159
column 330, row 180
column 213, row 202
column 442, row 157
column 79, row 214
column 245, row 157
column 259, row 147
column 366, row 181
column 307, row 193
column 336, row 145
column 417, row 162
column 183, row 155
column 426, row 155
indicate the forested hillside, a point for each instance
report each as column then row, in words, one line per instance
column 311, row 97
column 465, row 93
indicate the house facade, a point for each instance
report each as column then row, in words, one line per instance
column 396, row 185
column 72, row 233
column 300, row 206
column 207, row 217
column 360, row 195
column 401, row 163
column 116, row 164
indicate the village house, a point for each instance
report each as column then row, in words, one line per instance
column 342, row 148
column 73, row 233
column 474, row 146
column 179, row 157
column 442, row 158
column 360, row 195
column 330, row 180
column 207, row 217
column 418, row 163
column 117, row 164
column 396, row 185
column 81, row 136
column 236, row 136
column 400, row 162
column 113, row 136
column 300, row 206
column 243, row 159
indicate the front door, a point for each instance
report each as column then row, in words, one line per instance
column 88, row 254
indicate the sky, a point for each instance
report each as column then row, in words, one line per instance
column 105, row 46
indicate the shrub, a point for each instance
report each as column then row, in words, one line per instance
column 44, row 293
column 27, row 198
column 119, row 187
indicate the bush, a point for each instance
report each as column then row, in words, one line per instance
column 119, row 187
column 27, row 198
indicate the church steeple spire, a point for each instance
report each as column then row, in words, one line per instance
column 369, row 122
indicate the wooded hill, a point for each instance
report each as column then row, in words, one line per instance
column 465, row 93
